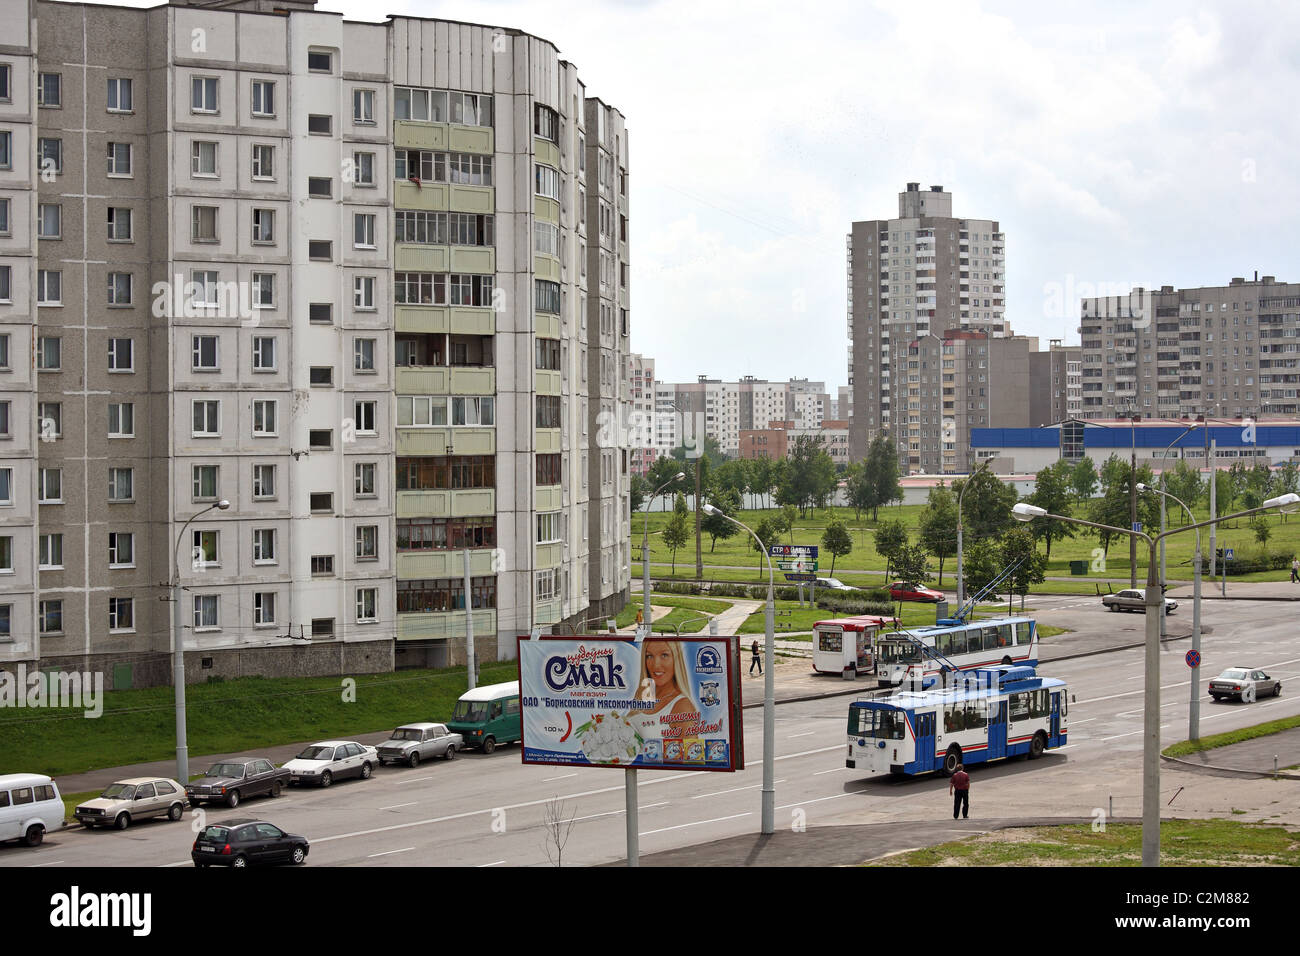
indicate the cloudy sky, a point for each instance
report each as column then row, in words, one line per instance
column 1116, row 143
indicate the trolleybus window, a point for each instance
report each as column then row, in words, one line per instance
column 1030, row 704
column 963, row 715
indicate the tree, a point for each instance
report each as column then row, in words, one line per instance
column 1113, row 508
column 661, row 474
column 1018, row 545
column 938, row 525
column 882, row 474
column 1083, row 479
column 766, row 534
column 859, row 489
column 556, row 825
column 890, row 539
column 912, row 564
column 715, row 525
column 1262, row 531
column 761, row 478
column 677, row 532
column 981, row 564
column 1052, row 494
column 837, row 541
column 1184, row 483
column 637, row 491
column 679, row 505
column 786, row 520
column 985, row 505
column 1225, row 492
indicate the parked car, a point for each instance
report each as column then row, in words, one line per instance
column 905, row 591
column 241, row 843
column 412, row 743
column 231, row 781
column 30, row 806
column 331, row 760
column 126, row 801
column 834, row 584
column 1133, row 600
column 1244, row 684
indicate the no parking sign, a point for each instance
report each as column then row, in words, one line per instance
column 1193, row 659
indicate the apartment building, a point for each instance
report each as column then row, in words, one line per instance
column 775, row 441
column 919, row 274
column 1055, row 383
column 641, row 427
column 722, row 411
column 336, row 274
column 1228, row 351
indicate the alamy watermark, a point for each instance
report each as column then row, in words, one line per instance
column 1105, row 300
column 41, row 689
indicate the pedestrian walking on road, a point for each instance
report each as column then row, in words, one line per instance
column 755, row 661
column 959, row 789
column 1295, row 570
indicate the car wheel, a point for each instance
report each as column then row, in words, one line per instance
column 414, row 759
column 489, row 744
column 951, row 760
column 175, row 812
column 232, row 799
column 1277, row 691
column 299, row 856
column 1037, row 746
column 240, row 862
column 1006, row 660
column 123, row 821
column 365, row 771
column 276, row 788
column 34, row 835
column 451, row 751
column 326, row 779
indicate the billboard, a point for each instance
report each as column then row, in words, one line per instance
column 663, row 703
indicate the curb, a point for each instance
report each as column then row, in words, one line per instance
column 999, row 825
column 1267, row 774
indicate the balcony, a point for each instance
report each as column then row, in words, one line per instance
column 459, row 319
column 419, row 627
column 426, row 257
column 415, row 565
column 446, row 503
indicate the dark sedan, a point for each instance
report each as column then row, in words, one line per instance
column 241, row 843
column 231, row 781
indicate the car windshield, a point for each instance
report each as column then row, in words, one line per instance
column 470, row 710
column 225, row 770
column 834, row 582
column 119, row 791
column 317, row 753
column 1235, row 673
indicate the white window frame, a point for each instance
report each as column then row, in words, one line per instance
column 363, row 293
column 260, row 537
column 198, row 343
column 43, row 486
column 366, row 541
column 114, row 90
column 207, row 82
column 115, row 541
column 203, row 620
column 199, row 149
column 363, row 107
column 263, row 616
column 267, row 92
column 45, row 548
column 367, row 601
column 366, row 417
column 363, row 230
column 115, row 607
column 114, row 359
column 363, row 479
column 363, row 355
column 114, row 490
column 207, row 405
column 261, row 345
column 259, row 482
column 120, row 411
column 259, row 170
column 112, row 156
column 197, row 474
column 261, row 409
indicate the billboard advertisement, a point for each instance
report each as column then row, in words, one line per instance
column 663, row 703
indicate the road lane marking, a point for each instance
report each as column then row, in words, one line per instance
column 562, row 776
column 412, row 780
column 734, row 816
column 1075, row 723
column 715, row 793
column 832, row 770
column 51, row 863
column 808, row 734
column 405, row 849
column 398, row 806
column 614, row 813
column 819, row 799
column 497, row 863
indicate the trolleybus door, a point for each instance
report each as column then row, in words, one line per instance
column 1055, row 730
column 924, row 742
column 997, row 730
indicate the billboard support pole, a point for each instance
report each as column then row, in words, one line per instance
column 633, row 837
column 471, row 664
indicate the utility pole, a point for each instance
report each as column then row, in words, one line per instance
column 1133, row 502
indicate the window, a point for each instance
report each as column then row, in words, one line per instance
column 546, row 296
column 322, row 627
column 365, row 417
column 203, row 158
column 546, row 123
column 50, row 486
column 367, row 542
column 6, row 554
column 205, row 612
column 5, row 295
column 50, row 419
column 6, row 625
column 263, row 161
column 207, row 552
column 548, row 411
column 50, row 151
column 204, row 287
column 121, row 484
column 320, row 61
column 49, row 220
column 446, row 594
column 473, row 411
column 264, row 481
column 121, row 420
column 322, row 564
column 49, row 89
column 119, row 288
column 470, row 109
column 119, row 94
column 367, row 602
column 363, row 107
column 549, row 527
column 320, row 187
column 121, row 614
column 207, row 418
column 320, row 124
column 264, row 290
column 320, row 439
column 363, row 230
column 6, row 486
column 321, row 375
column 546, row 238
column 4, row 352
column 203, row 223
column 456, row 471
column 363, row 355
column 121, row 549
column 6, row 149
column 548, row 181
column 263, row 545
column 263, row 608
column 5, row 228
column 121, row 355
column 49, row 287
column 548, row 469
column 263, row 225
column 363, row 169
column 548, row 584
column 321, row 249
column 203, row 94
column 51, row 614
column 204, row 481
column 119, row 159
column 119, row 224
column 205, row 353
column 263, row 98
column 364, row 479
column 51, row 548
column 49, row 353
column 421, row 411
column 321, row 313
column 263, row 353
column 264, row 424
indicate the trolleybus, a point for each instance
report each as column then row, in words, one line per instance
column 992, row 713
column 918, row 653
column 847, row 642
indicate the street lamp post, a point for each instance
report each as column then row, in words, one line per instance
column 961, row 582
column 178, row 650
column 1154, row 608
column 769, row 687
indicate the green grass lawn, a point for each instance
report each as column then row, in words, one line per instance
column 803, row 618
column 1182, row 843
column 229, row 716
column 703, row 607
column 1231, row 737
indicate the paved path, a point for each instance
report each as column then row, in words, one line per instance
column 1249, row 755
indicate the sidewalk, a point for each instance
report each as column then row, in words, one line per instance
column 1255, row 757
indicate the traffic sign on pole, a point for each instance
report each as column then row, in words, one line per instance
column 1193, row 659
column 808, row 551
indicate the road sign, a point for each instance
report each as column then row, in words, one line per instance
column 1137, row 525
column 793, row 551
column 797, row 565
column 793, row 576
column 1193, row 658
column 1227, row 554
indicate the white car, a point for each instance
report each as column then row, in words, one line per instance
column 323, row 763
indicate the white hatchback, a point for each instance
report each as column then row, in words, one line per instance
column 323, row 763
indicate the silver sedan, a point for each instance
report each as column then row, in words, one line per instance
column 1244, row 684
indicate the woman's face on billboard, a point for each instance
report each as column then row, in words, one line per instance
column 659, row 665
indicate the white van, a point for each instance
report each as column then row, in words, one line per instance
column 29, row 805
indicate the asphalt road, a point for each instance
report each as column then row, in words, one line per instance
column 492, row 811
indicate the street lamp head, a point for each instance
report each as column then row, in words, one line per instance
column 708, row 508
column 679, row 476
column 1143, row 487
column 1024, row 511
column 223, row 505
column 1286, row 502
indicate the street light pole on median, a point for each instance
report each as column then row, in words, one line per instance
column 769, row 686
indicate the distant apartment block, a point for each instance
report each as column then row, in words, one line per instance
column 722, row 410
